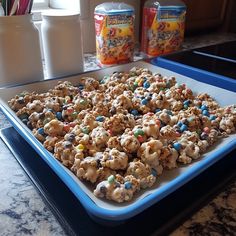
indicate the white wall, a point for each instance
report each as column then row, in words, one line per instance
column 86, row 9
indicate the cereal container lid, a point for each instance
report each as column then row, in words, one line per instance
column 165, row 4
column 110, row 8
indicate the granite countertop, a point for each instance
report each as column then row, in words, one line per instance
column 23, row 212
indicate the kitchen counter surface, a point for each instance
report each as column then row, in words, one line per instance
column 23, row 212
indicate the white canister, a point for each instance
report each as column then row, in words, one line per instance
column 62, row 46
column 20, row 56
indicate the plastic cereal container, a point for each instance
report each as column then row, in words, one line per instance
column 162, row 26
column 114, row 26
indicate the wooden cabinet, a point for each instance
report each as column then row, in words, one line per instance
column 204, row 14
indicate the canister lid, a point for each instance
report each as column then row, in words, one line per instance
column 113, row 8
column 60, row 13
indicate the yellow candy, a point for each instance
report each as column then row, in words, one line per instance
column 67, row 99
column 80, row 147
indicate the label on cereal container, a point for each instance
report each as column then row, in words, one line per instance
column 163, row 30
column 114, row 37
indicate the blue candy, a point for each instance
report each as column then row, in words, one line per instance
column 179, row 123
column 212, row 117
column 205, row 112
column 81, row 87
column 204, row 107
column 186, row 102
column 177, row 146
column 100, row 118
column 144, row 101
column 154, row 172
column 183, row 127
column 157, row 110
column 134, row 112
column 41, row 131
column 59, row 115
column 146, row 84
column 25, row 121
column 128, row 185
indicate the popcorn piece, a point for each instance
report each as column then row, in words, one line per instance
column 149, row 152
column 122, row 132
column 115, row 160
column 142, row 172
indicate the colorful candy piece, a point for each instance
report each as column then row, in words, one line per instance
column 206, row 130
column 140, row 138
column 25, row 121
column 183, row 127
column 134, row 112
column 66, row 128
column 85, row 130
column 180, row 123
column 111, row 179
column 128, row 185
column 41, row 131
column 100, row 118
column 83, row 102
column 146, row 84
column 204, row 135
column 80, row 147
column 186, row 102
column 70, row 110
column 23, row 116
column 205, row 113
column 177, row 146
column 59, row 115
column 204, row 107
column 144, row 101
column 154, row 172
column 138, row 132
column 157, row 110
column 212, row 117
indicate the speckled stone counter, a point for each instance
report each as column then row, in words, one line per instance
column 23, row 212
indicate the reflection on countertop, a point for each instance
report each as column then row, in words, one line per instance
column 22, row 211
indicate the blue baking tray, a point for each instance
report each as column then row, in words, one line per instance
column 120, row 212
column 169, row 62
column 73, row 218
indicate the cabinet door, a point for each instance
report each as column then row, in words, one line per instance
column 204, row 14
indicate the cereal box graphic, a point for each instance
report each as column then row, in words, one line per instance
column 163, row 30
column 114, row 37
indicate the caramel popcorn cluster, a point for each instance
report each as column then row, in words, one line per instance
column 122, row 132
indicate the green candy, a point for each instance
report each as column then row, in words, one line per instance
column 74, row 115
column 83, row 102
column 138, row 132
column 85, row 130
column 111, row 179
column 191, row 118
column 198, row 132
column 46, row 121
column 23, row 116
column 21, row 94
